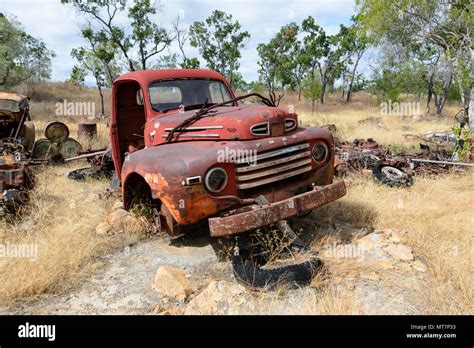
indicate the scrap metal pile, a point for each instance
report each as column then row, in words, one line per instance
column 19, row 151
column 388, row 167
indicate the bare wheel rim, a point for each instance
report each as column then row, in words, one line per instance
column 392, row 173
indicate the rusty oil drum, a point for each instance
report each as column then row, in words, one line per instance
column 87, row 130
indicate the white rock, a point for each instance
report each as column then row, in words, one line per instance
column 117, row 205
column 400, row 252
column 103, row 228
column 419, row 266
column 221, row 297
column 173, row 283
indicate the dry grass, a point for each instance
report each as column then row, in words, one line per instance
column 346, row 117
column 436, row 212
column 45, row 95
column 61, row 221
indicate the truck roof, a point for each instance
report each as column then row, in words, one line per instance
column 146, row 76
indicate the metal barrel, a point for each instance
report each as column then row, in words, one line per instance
column 87, row 130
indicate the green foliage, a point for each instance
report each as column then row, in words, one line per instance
column 454, row 93
column 23, row 57
column 359, row 83
column 256, row 87
column 281, row 59
column 169, row 61
column 90, row 62
column 190, row 63
column 144, row 36
column 219, row 40
column 425, row 28
column 104, row 55
column 182, row 36
column 464, row 140
column 386, row 85
column 78, row 75
column 391, row 78
column 311, row 86
column 149, row 38
column 238, row 82
column 324, row 53
column 354, row 43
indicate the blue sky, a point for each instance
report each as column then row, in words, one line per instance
column 58, row 25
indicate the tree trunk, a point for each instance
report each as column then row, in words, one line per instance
column 430, row 91
column 470, row 112
column 444, row 94
column 323, row 91
column 299, row 92
column 351, row 83
column 461, row 93
column 102, row 107
column 343, row 86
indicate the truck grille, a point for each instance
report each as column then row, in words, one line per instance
column 273, row 166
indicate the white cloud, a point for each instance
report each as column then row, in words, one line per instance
column 58, row 25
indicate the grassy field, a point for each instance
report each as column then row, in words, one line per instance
column 437, row 212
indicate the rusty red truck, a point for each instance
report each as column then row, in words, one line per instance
column 182, row 141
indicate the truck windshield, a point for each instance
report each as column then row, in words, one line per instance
column 178, row 93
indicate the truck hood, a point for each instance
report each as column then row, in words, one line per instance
column 223, row 123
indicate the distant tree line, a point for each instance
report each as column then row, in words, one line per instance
column 423, row 47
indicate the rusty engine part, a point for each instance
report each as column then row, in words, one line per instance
column 16, row 177
column 368, row 154
column 19, row 151
column 14, row 114
column 16, row 139
column 361, row 154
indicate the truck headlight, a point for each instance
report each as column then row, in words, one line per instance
column 215, row 179
column 319, row 152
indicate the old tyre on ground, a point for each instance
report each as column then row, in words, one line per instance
column 248, row 270
column 84, row 173
column 391, row 176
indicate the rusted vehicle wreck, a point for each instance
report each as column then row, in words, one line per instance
column 181, row 141
column 17, row 136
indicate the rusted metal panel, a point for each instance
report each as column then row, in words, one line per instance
column 258, row 216
column 166, row 167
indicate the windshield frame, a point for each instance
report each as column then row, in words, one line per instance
column 224, row 82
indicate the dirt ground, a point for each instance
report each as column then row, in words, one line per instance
column 370, row 282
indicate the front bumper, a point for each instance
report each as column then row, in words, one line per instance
column 255, row 216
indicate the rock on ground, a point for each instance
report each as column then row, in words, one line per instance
column 221, row 297
column 173, row 283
